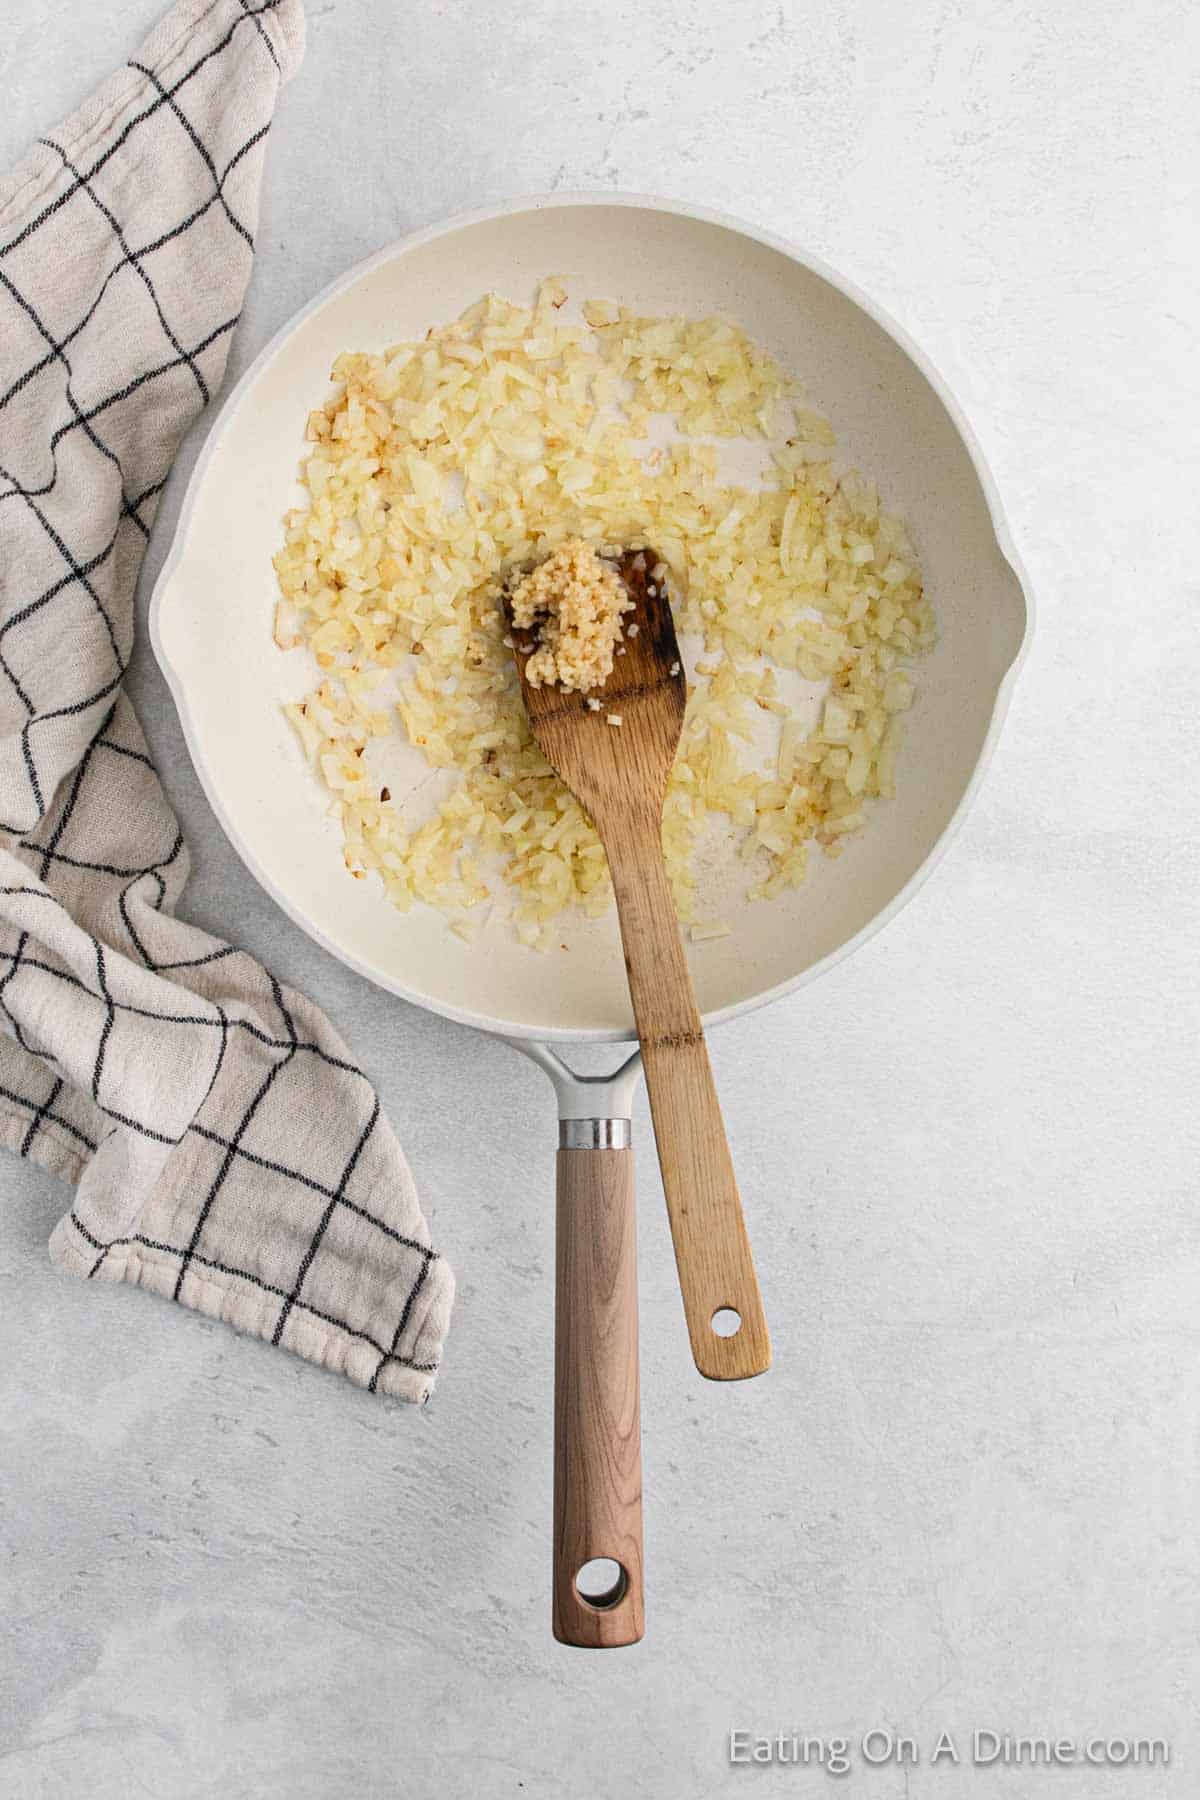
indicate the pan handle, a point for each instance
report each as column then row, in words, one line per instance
column 597, row 1428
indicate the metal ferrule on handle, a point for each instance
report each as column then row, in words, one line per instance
column 595, row 1134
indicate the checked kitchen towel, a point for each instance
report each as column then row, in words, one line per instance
column 225, row 1149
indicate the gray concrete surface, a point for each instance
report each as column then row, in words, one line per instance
column 966, row 1496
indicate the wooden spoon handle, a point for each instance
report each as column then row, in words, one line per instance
column 712, row 1250
column 597, row 1428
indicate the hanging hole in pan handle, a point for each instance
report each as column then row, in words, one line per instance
column 601, row 1582
column 727, row 1321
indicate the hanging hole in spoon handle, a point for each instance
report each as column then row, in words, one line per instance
column 597, row 1426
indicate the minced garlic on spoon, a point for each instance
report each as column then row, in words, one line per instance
column 574, row 601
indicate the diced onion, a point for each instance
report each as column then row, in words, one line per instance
column 439, row 465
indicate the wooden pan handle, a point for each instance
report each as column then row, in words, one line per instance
column 712, row 1250
column 597, row 1426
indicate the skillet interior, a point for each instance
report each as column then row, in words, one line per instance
column 213, row 609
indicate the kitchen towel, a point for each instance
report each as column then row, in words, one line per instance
column 225, row 1150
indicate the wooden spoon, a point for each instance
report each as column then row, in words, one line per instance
column 618, row 773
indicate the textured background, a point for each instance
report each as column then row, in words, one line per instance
column 966, row 1495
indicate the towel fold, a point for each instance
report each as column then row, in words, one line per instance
column 225, row 1149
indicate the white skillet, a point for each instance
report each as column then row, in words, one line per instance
column 210, row 623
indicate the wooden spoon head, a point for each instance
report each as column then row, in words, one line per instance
column 609, row 766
